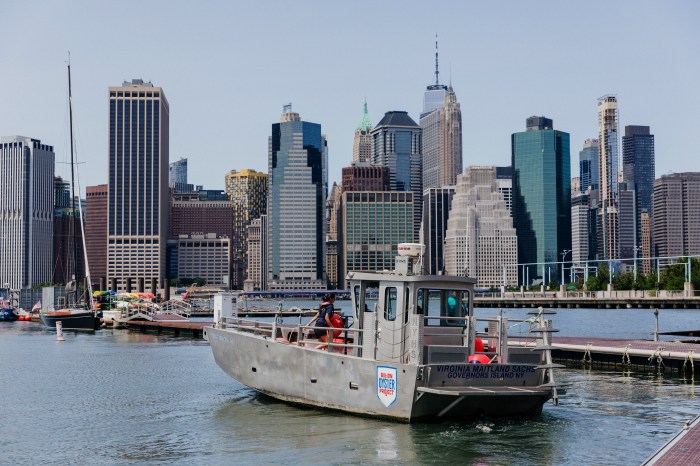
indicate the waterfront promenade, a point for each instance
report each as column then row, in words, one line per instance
column 649, row 299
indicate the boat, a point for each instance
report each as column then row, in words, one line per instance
column 6, row 312
column 411, row 349
column 75, row 316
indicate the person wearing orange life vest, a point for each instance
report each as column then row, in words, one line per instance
column 323, row 319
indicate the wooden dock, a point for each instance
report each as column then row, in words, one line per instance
column 640, row 355
column 682, row 450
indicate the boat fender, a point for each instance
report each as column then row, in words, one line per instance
column 478, row 345
column 478, row 359
column 337, row 322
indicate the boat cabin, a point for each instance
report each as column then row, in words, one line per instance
column 403, row 317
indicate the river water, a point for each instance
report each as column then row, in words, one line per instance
column 120, row 397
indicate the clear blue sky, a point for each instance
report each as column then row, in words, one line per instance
column 228, row 67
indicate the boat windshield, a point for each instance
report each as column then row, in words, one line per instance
column 448, row 306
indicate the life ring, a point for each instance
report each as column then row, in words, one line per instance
column 337, row 322
column 478, row 359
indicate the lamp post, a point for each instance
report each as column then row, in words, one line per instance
column 563, row 255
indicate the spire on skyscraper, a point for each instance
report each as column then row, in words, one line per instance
column 366, row 123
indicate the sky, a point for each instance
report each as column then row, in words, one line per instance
column 227, row 68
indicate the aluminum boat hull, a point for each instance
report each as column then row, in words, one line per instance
column 346, row 383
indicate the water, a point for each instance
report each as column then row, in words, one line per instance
column 119, row 397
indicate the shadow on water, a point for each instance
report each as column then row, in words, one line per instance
column 261, row 428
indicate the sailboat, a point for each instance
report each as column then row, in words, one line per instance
column 74, row 317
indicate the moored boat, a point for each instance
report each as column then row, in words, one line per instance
column 71, row 319
column 76, row 316
column 411, row 349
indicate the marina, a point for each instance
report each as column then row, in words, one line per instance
column 148, row 395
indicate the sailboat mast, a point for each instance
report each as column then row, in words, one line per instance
column 72, row 180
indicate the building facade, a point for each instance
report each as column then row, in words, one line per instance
column 676, row 215
column 199, row 212
column 206, row 256
column 588, row 165
column 362, row 144
column 450, row 162
column 608, row 153
column 298, row 184
column 436, row 211
column 96, row 215
column 639, row 169
column 541, row 197
column 26, row 211
column 480, row 241
column 580, row 229
column 397, row 146
column 365, row 177
column 138, row 206
column 504, row 178
column 68, row 257
column 177, row 176
column 248, row 192
column 373, row 224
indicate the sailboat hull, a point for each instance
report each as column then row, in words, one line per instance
column 71, row 320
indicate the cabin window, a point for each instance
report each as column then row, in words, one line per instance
column 446, row 306
column 390, row 303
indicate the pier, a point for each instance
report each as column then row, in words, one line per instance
column 683, row 449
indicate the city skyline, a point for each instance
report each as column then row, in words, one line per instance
column 241, row 50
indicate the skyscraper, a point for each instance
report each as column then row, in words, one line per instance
column 96, row 216
column 397, row 145
column 373, row 225
column 177, row 176
column 480, row 241
column 26, row 211
column 608, row 238
column 588, row 165
column 68, row 258
column 139, row 213
column 675, row 219
column 441, row 125
column 541, row 195
column 362, row 144
column 504, row 178
column 248, row 192
column 450, row 140
column 298, row 184
column 436, row 211
column 639, row 168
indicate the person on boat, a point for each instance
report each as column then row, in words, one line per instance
column 323, row 320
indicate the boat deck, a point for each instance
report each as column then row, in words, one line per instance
column 682, row 450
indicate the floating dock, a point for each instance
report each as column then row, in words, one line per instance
column 184, row 328
column 682, row 450
column 640, row 355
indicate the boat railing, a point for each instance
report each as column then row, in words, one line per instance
column 457, row 332
column 346, row 343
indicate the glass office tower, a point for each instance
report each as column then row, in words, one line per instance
column 541, row 197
